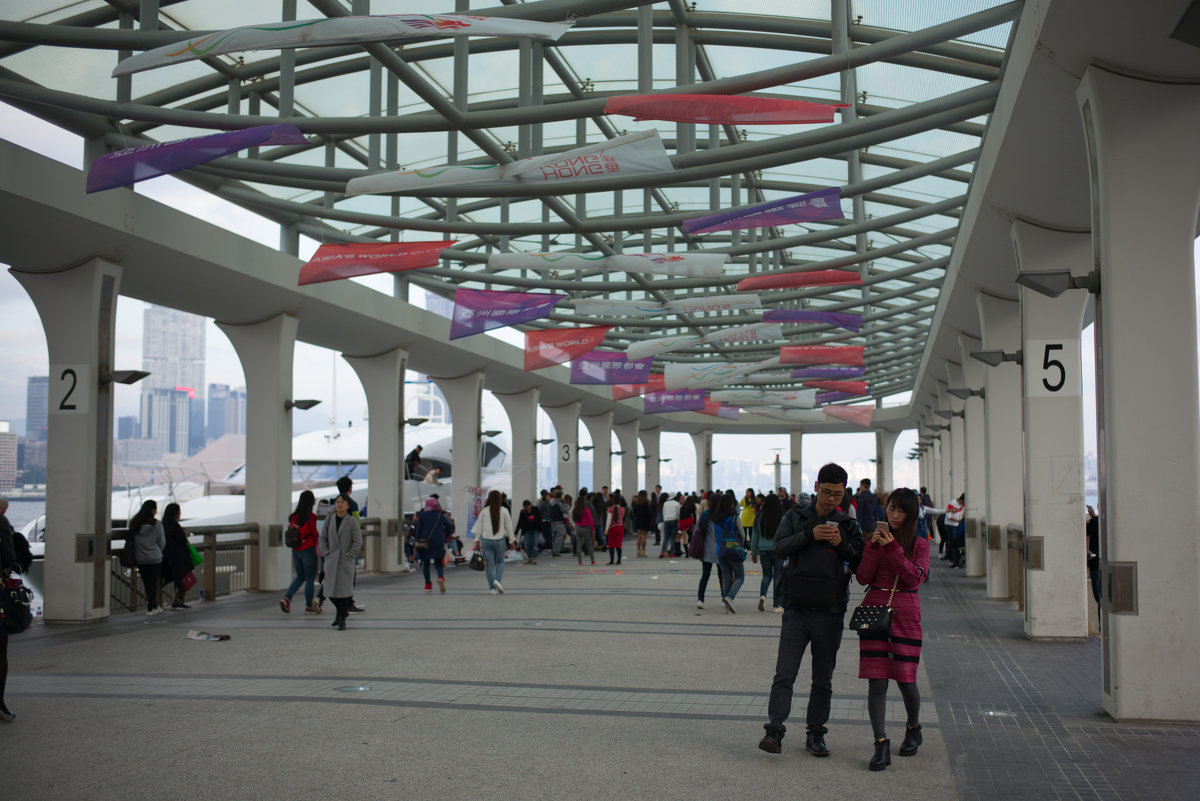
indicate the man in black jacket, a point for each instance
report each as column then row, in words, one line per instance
column 823, row 547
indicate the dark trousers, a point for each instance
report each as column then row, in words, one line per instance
column 150, row 575
column 802, row 628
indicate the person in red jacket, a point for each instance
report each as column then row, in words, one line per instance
column 304, row 556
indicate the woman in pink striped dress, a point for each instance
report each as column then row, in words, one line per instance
column 894, row 555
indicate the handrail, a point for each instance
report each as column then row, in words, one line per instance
column 1015, row 528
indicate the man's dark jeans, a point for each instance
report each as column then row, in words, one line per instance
column 800, row 629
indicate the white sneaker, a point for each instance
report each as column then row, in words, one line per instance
column 155, row 611
column 699, row 604
column 762, row 603
column 497, row 587
column 778, row 609
column 494, row 591
column 729, row 605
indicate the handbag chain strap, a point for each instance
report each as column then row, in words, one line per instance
column 891, row 594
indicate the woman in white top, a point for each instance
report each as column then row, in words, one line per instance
column 493, row 529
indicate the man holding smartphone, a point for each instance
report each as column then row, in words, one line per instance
column 823, row 547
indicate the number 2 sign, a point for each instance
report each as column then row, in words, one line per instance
column 1053, row 368
column 69, row 385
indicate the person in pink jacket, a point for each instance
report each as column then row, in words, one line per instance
column 894, row 557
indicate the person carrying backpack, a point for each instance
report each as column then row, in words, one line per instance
column 731, row 549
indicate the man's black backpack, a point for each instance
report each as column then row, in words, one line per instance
column 24, row 556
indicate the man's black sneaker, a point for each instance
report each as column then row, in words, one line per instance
column 815, row 745
column 770, row 743
column 355, row 609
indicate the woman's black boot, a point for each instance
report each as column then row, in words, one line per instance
column 883, row 755
column 342, row 623
column 912, row 740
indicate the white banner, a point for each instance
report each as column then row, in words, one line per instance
column 602, row 307
column 703, row 376
column 687, row 263
column 755, row 332
column 337, row 31
column 714, row 303
column 633, row 154
column 792, row 415
column 801, row 399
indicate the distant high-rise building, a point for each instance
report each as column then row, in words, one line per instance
column 226, row 411
column 8, row 457
column 425, row 399
column 128, row 428
column 37, row 397
column 173, row 353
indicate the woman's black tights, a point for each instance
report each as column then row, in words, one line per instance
column 3, row 667
column 877, row 699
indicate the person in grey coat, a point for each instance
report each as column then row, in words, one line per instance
column 341, row 542
column 149, row 539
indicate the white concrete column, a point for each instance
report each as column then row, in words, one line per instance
column 599, row 427
column 946, row 460
column 796, row 454
column 628, row 440
column 976, row 462
column 566, row 446
column 702, row 442
column 958, row 433
column 936, row 490
column 78, row 309
column 885, row 446
column 1142, row 145
column 266, row 351
column 382, row 378
column 1055, row 592
column 653, row 452
column 464, row 396
column 521, row 409
column 1000, row 324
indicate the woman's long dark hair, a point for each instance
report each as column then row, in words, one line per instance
column 581, row 504
column 642, row 499
column 493, row 505
column 170, row 514
column 304, row 507
column 906, row 501
column 144, row 515
column 725, row 506
column 769, row 517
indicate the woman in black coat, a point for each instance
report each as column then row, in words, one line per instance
column 177, row 560
column 432, row 526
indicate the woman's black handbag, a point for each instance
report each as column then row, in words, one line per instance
column 476, row 562
column 874, row 621
column 15, row 606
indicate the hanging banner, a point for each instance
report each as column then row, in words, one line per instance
column 821, row 354
column 479, row 310
column 755, row 332
column 849, row 387
column 837, row 373
column 690, row 263
column 720, row 109
column 833, row 397
column 705, row 376
column 609, row 367
column 682, row 400
column 850, row 322
column 348, row 260
column 633, row 154
column 715, row 409
column 768, row 378
column 559, row 345
column 337, row 31
column 474, row 496
column 601, row 307
column 623, row 391
column 792, row 415
column 796, row 280
column 135, row 164
column 800, row 399
column 859, row 415
column 714, row 303
column 824, row 204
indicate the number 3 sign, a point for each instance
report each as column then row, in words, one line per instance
column 69, row 385
column 1053, row 368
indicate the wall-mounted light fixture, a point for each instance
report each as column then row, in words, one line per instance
column 543, row 441
column 948, row 414
column 414, row 421
column 288, row 405
column 122, row 376
column 1053, row 283
column 962, row 393
column 495, row 432
column 994, row 358
column 585, row 447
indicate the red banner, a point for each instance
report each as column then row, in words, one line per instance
column 655, row 384
column 821, row 354
column 720, row 410
column 558, row 345
column 849, row 387
column 794, row 280
column 334, row 262
column 720, row 109
column 859, row 415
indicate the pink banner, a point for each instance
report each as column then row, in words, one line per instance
column 848, row 387
column 721, row 410
column 555, row 346
column 720, row 109
column 609, row 367
column 821, row 354
column 850, row 322
column 859, row 415
column 479, row 310
column 824, row 204
column 681, row 400
column 150, row 161
column 655, row 384
column 335, row 262
column 794, row 280
column 836, row 373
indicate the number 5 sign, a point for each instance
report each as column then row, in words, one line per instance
column 1053, row 368
column 69, row 385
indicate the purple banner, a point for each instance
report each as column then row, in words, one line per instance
column 150, row 161
column 479, row 310
column 609, row 367
column 850, row 322
column 681, row 400
column 830, row 397
column 830, row 371
column 824, row 204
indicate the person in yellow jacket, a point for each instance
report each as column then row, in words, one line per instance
column 749, row 509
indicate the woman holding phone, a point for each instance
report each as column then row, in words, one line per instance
column 894, row 563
